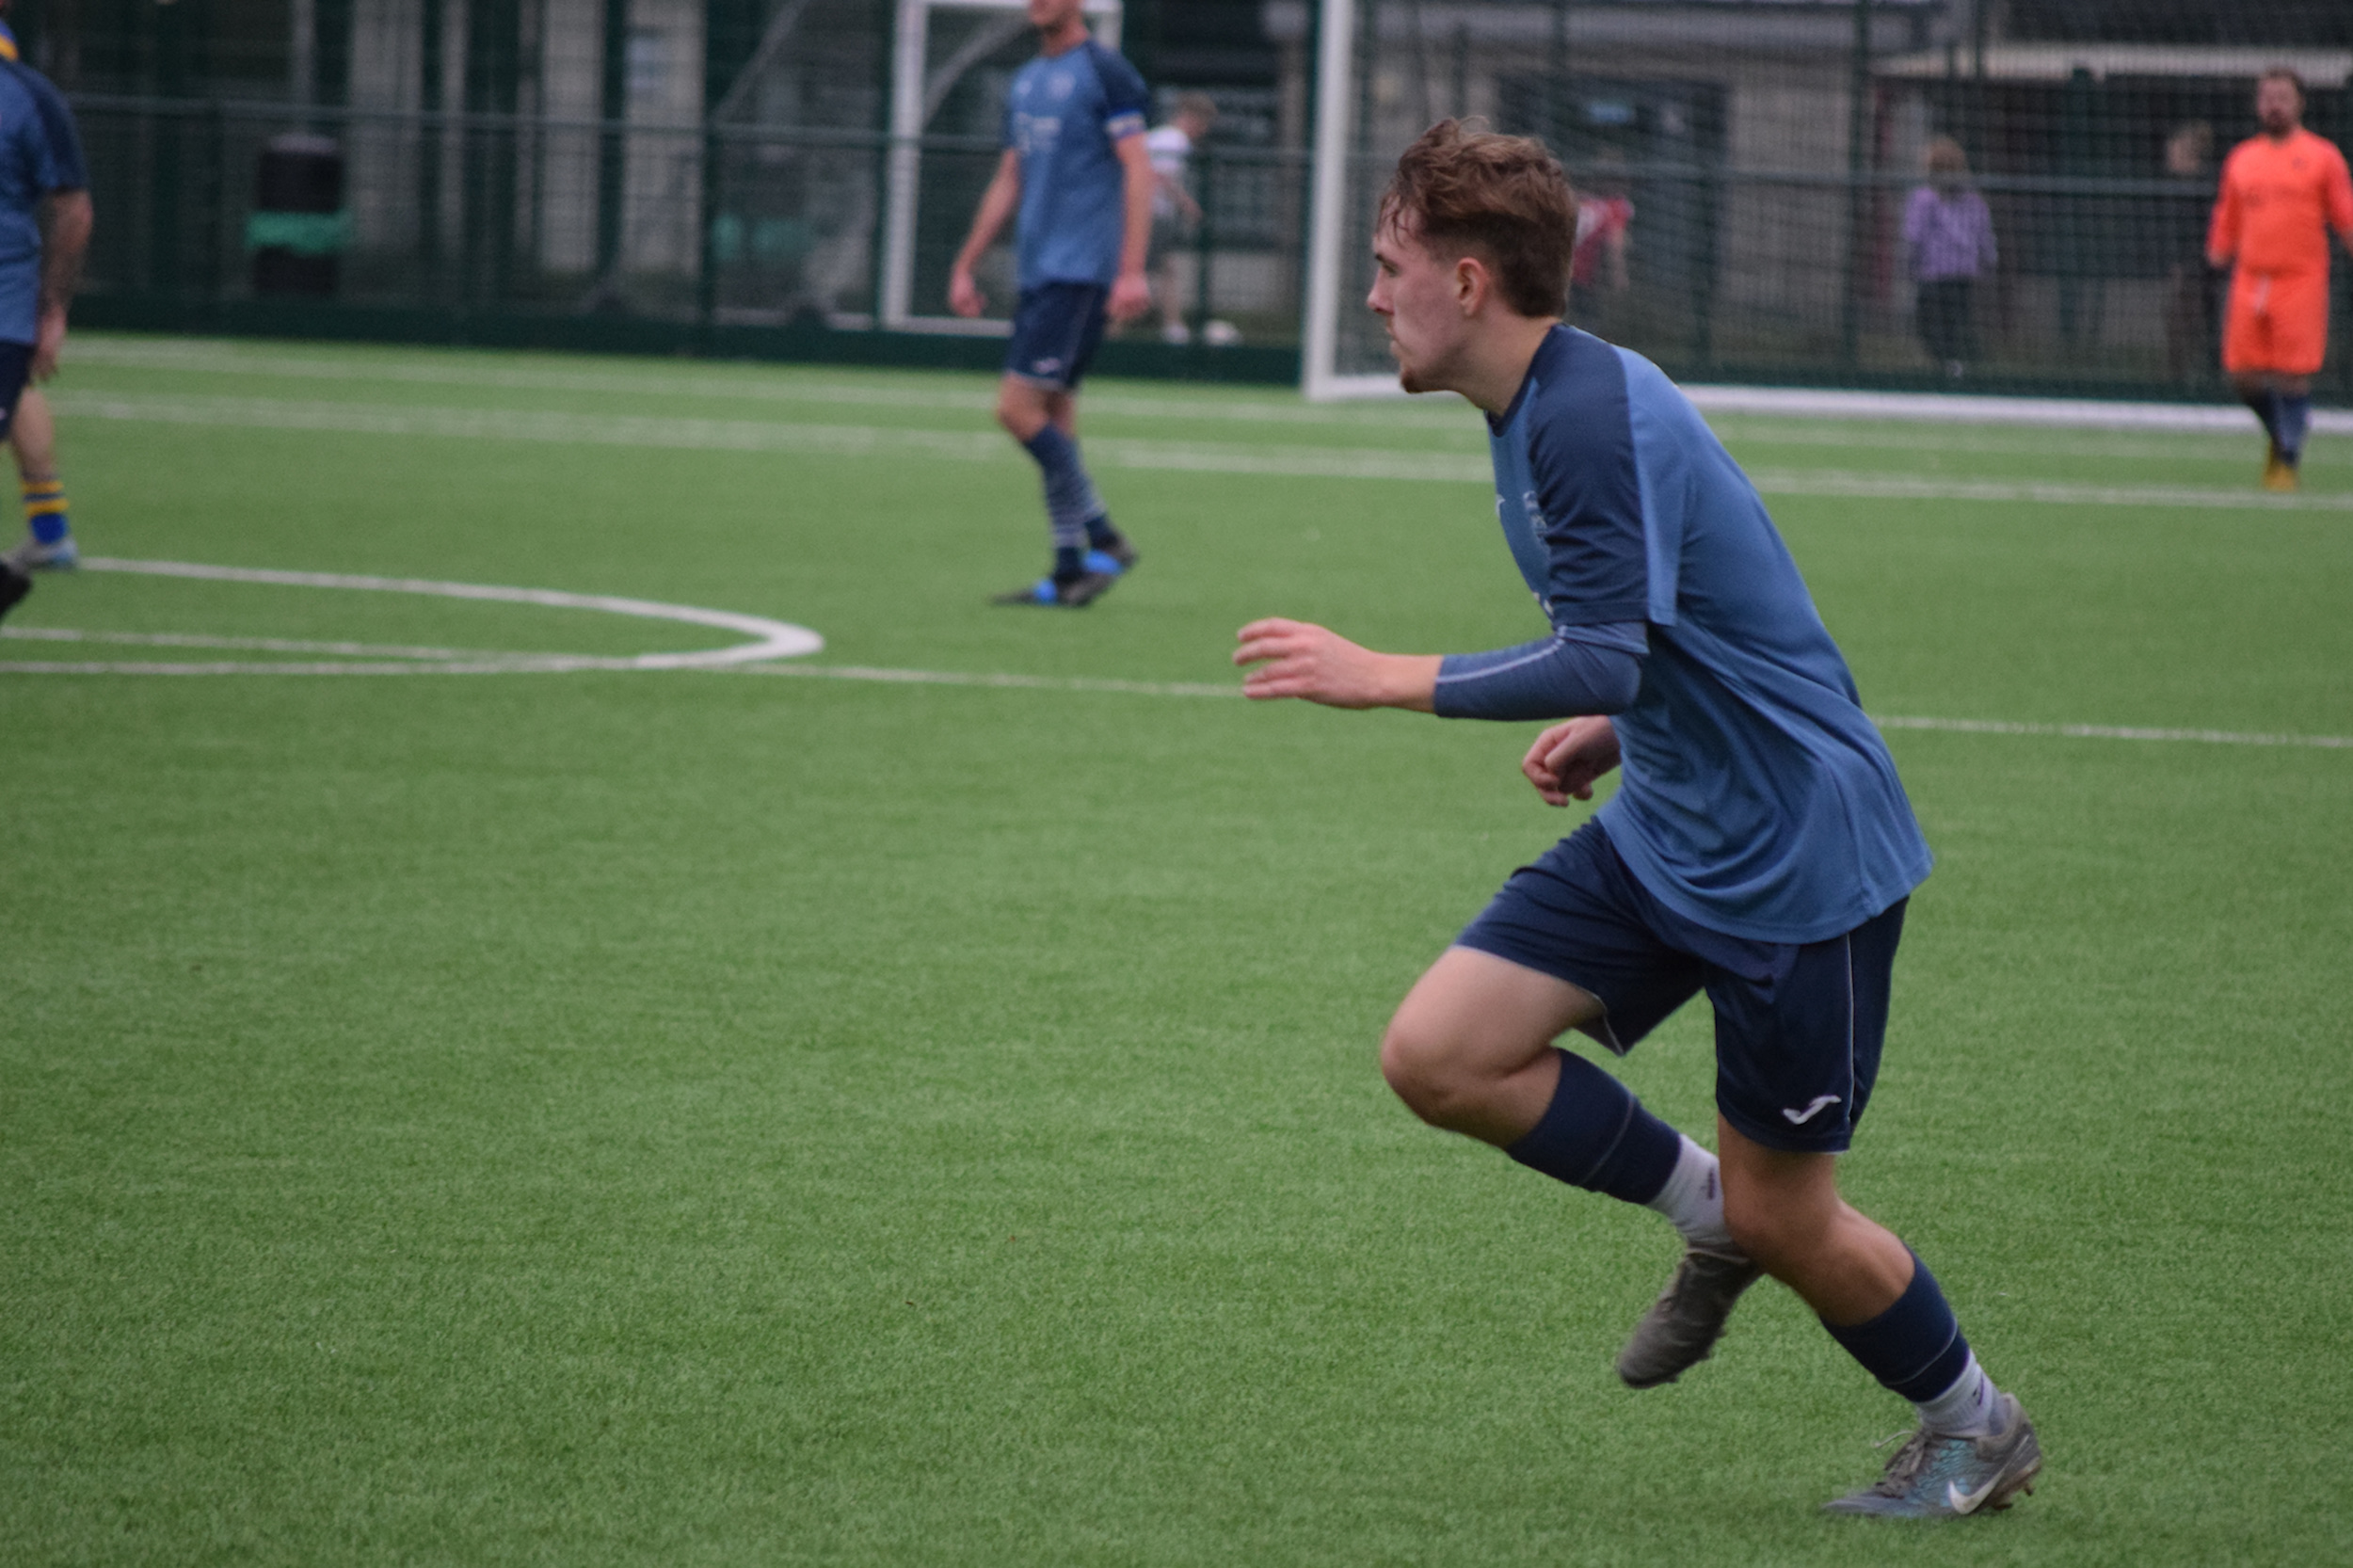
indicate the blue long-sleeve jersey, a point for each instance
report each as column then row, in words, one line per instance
column 1758, row 799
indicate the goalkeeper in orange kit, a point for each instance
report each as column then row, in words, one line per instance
column 2282, row 193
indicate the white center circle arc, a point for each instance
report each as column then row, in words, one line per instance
column 770, row 639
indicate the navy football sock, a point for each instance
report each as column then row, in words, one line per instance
column 2296, row 418
column 1915, row 1347
column 1070, row 563
column 2265, row 403
column 1596, row 1135
column 1100, row 534
column 1071, row 497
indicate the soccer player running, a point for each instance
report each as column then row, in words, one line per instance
column 2282, row 193
column 1076, row 170
column 44, row 234
column 1759, row 848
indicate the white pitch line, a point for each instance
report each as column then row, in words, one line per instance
column 1981, row 408
column 770, row 639
column 388, row 658
column 1016, row 682
column 1317, row 462
column 2115, row 732
column 245, row 644
column 1833, row 484
column 1251, row 406
column 1193, row 688
column 494, row 667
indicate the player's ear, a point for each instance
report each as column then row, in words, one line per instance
column 1471, row 284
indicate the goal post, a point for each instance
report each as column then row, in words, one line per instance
column 1343, row 353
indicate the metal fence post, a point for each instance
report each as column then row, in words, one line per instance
column 878, row 233
column 1202, row 241
column 707, row 263
column 1858, row 165
column 165, row 203
column 613, row 110
column 429, row 95
column 1708, row 183
column 217, row 204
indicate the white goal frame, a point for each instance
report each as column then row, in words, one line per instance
column 911, row 96
column 1330, row 247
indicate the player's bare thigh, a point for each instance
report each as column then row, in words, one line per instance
column 1468, row 1048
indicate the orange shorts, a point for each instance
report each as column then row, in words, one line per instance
column 2277, row 321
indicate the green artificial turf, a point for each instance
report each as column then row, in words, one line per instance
column 718, row 1118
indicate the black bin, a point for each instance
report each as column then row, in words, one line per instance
column 298, row 229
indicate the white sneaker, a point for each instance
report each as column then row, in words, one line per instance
column 33, row 556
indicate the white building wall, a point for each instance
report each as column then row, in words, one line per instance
column 379, row 159
column 662, row 210
column 571, row 79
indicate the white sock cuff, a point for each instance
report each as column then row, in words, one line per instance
column 1966, row 1408
column 1694, row 1197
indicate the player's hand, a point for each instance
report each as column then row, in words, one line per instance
column 1131, row 295
column 48, row 343
column 1301, row 660
column 963, row 294
column 1568, row 758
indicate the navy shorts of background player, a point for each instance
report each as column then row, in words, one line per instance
column 1057, row 327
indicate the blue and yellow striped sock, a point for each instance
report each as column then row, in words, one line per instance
column 45, row 510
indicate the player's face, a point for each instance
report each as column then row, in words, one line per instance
column 1416, row 295
column 2277, row 105
column 1051, row 16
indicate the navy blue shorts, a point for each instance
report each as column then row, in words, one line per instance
column 1799, row 1027
column 1056, row 330
column 16, row 367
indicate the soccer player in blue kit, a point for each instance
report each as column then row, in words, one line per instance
column 1077, row 173
column 1759, row 846
column 44, row 233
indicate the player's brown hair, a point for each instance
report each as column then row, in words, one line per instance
column 1501, row 199
column 2289, row 74
column 1199, row 104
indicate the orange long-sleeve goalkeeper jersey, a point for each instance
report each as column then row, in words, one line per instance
column 2278, row 201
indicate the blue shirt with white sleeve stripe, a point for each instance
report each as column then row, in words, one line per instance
column 1065, row 117
column 1757, row 798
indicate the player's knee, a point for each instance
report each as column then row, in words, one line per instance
column 1774, row 1232
column 1020, row 412
column 1753, row 1226
column 1425, row 1071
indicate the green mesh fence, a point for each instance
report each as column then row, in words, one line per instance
column 595, row 168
